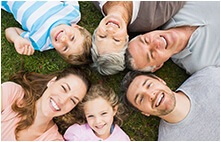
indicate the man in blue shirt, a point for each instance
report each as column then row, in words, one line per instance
column 191, row 38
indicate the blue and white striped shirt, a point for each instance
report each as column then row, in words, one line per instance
column 39, row 17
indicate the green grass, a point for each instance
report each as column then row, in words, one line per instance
column 137, row 126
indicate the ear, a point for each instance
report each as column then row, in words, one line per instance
column 161, row 80
column 146, row 114
column 115, row 109
column 51, row 81
column 157, row 67
column 76, row 26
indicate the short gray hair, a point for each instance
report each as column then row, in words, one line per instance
column 129, row 61
column 108, row 64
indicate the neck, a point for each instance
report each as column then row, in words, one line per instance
column 122, row 8
column 41, row 122
column 185, row 32
column 181, row 109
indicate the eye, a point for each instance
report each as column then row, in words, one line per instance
column 141, row 99
column 102, row 36
column 103, row 113
column 73, row 101
column 90, row 116
column 149, row 85
column 72, row 38
column 65, row 48
column 117, row 40
column 64, row 88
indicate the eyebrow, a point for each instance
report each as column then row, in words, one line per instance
column 77, row 98
column 69, row 88
column 144, row 82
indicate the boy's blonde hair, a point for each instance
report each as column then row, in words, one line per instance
column 85, row 57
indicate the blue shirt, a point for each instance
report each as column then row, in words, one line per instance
column 203, row 48
column 39, row 17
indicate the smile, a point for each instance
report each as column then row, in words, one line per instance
column 100, row 126
column 54, row 105
column 113, row 23
column 165, row 41
column 159, row 100
column 58, row 35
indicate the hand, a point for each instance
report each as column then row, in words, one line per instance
column 23, row 46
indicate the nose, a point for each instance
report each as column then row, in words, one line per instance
column 150, row 94
column 64, row 98
column 97, row 120
column 110, row 30
column 64, row 38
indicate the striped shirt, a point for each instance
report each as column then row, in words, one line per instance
column 37, row 18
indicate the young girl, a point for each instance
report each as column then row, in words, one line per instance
column 101, row 116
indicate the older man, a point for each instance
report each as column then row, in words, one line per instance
column 110, row 38
column 191, row 38
column 192, row 112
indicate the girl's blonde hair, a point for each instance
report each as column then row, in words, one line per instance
column 106, row 93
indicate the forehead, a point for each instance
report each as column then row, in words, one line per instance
column 75, row 82
column 97, row 104
column 138, row 51
column 108, row 45
column 135, row 85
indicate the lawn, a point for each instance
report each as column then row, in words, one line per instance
column 137, row 126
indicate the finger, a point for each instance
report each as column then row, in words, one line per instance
column 25, row 50
column 30, row 50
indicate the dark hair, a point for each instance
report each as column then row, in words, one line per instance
column 127, row 80
column 128, row 59
column 34, row 84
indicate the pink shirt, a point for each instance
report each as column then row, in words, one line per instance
column 10, row 92
column 83, row 132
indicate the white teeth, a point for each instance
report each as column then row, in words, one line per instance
column 54, row 105
column 159, row 100
column 113, row 24
column 164, row 40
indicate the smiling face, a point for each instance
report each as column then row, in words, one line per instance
column 100, row 115
column 62, row 95
column 151, row 96
column 67, row 40
column 155, row 48
column 111, row 34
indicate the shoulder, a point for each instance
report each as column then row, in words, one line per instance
column 75, row 131
column 119, row 134
column 10, row 92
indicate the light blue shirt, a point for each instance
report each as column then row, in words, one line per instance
column 39, row 17
column 202, row 123
column 203, row 48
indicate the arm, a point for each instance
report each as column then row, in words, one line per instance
column 22, row 46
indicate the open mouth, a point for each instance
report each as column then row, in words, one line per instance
column 58, row 35
column 54, row 105
column 165, row 41
column 160, row 99
column 113, row 24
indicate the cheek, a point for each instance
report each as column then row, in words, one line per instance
column 90, row 121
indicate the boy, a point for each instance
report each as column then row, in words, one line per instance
column 48, row 25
